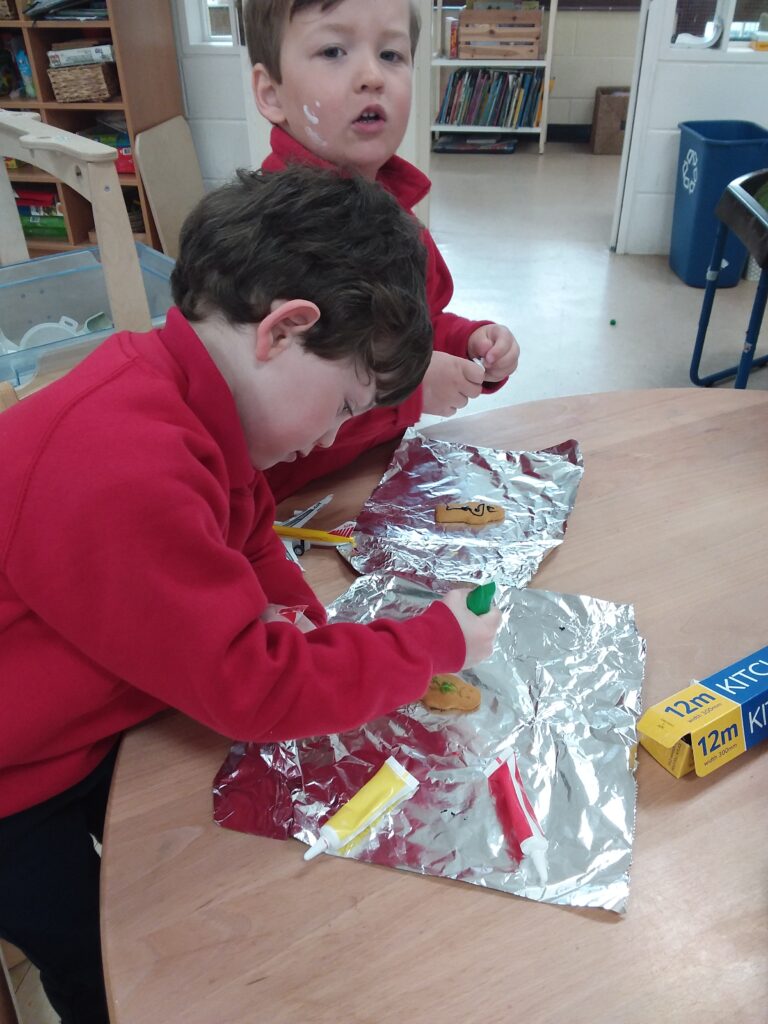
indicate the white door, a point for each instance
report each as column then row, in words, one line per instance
column 687, row 67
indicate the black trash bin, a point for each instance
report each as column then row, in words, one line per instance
column 712, row 154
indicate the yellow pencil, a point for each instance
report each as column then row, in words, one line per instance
column 319, row 536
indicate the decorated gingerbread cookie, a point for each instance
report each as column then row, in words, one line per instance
column 469, row 513
column 451, row 693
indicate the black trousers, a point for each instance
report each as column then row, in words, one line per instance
column 49, row 893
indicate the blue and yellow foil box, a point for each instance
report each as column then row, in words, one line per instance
column 711, row 722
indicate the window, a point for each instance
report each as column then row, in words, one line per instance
column 207, row 25
column 217, row 21
column 716, row 23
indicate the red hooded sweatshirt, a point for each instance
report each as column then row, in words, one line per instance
column 136, row 557
column 451, row 333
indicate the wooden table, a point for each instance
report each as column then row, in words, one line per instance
column 206, row 926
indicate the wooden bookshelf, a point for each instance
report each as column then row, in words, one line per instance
column 442, row 65
column 141, row 34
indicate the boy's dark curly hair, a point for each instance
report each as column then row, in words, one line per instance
column 340, row 242
column 265, row 20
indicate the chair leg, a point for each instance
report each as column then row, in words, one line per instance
column 9, row 1010
column 747, row 361
column 706, row 311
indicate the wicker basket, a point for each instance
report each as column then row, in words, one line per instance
column 94, row 83
column 8, row 9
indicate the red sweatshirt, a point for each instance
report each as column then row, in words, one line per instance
column 136, row 556
column 451, row 333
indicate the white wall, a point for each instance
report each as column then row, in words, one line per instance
column 677, row 85
column 591, row 48
column 215, row 103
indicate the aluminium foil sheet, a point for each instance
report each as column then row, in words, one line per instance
column 396, row 530
column 562, row 691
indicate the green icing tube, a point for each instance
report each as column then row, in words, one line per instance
column 480, row 599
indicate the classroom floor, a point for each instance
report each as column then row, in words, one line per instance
column 526, row 238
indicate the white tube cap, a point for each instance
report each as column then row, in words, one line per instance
column 314, row 851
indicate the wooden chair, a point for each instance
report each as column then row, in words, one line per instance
column 167, row 161
column 89, row 168
column 8, row 396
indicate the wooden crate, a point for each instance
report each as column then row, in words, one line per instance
column 85, row 83
column 499, row 35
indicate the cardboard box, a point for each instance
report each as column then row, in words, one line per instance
column 711, row 722
column 609, row 120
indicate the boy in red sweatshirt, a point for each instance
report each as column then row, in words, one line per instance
column 137, row 554
column 334, row 77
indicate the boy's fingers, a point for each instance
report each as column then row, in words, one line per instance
column 472, row 372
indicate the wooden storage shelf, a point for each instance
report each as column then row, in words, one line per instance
column 7, row 104
column 94, row 26
column 479, row 129
column 454, row 62
column 141, row 34
column 33, row 174
column 482, row 28
column 113, row 104
column 42, row 246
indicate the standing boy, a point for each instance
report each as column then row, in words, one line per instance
column 137, row 550
column 334, row 77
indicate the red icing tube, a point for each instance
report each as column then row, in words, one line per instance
column 516, row 815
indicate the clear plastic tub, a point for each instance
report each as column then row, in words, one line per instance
column 68, row 285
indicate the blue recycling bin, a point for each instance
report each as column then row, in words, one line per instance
column 712, row 154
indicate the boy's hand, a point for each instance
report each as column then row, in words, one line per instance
column 496, row 346
column 479, row 630
column 449, row 383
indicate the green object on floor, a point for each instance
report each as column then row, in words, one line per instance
column 480, row 599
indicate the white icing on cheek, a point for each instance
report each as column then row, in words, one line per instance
column 315, row 137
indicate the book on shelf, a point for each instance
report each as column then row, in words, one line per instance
column 43, row 227
column 83, row 55
column 492, row 98
column 451, row 38
column 79, row 42
column 66, row 10
column 30, row 195
column 505, row 5
column 27, row 210
column 474, row 144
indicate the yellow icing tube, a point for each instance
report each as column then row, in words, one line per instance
column 388, row 787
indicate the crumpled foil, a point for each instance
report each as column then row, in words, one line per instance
column 396, row 530
column 561, row 690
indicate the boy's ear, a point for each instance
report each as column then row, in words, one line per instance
column 280, row 326
column 265, row 92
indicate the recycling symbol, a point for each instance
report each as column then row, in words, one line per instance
column 690, row 170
